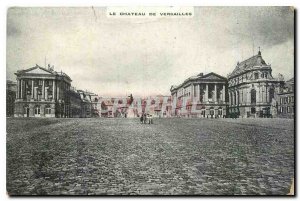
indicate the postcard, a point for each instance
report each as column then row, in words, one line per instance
column 150, row 101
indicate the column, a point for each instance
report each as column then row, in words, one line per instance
column 18, row 88
column 46, row 93
column 206, row 93
column 32, row 89
column 230, row 99
column 57, row 91
column 215, row 94
column 262, row 94
column 224, row 93
column 258, row 94
column 35, row 93
column 268, row 94
column 21, row 89
column 236, row 97
column 192, row 91
column 43, row 90
column 249, row 96
column 53, row 90
column 198, row 92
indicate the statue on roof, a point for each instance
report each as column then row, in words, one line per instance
column 259, row 52
column 280, row 77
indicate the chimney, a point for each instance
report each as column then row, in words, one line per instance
column 200, row 74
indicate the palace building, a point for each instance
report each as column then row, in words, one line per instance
column 286, row 100
column 42, row 92
column 251, row 88
column 200, row 96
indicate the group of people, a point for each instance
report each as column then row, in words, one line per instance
column 146, row 118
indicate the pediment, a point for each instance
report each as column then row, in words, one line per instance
column 38, row 71
column 213, row 76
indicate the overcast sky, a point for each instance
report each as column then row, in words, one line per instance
column 116, row 57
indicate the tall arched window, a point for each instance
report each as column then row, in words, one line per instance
column 271, row 94
column 48, row 109
column 37, row 110
column 253, row 96
column 234, row 99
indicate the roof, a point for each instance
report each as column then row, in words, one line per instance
column 249, row 64
column 87, row 92
column 10, row 82
column 41, row 70
column 290, row 80
column 200, row 77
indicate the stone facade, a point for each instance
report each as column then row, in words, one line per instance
column 252, row 88
column 89, row 104
column 42, row 92
column 286, row 101
column 200, row 96
column 75, row 103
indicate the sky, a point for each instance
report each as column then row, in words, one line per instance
column 117, row 57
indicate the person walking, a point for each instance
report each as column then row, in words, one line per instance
column 145, row 118
column 150, row 121
column 141, row 118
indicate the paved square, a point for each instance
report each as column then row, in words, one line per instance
column 170, row 157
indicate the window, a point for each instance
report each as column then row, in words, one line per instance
column 253, row 110
column 220, row 112
column 201, row 92
column 256, row 76
column 48, row 110
column 210, row 91
column 234, row 98
column 37, row 110
column 271, row 94
column 288, row 109
column 40, row 82
column 242, row 97
column 253, row 96
column 50, row 82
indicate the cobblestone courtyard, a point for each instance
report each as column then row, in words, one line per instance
column 172, row 156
